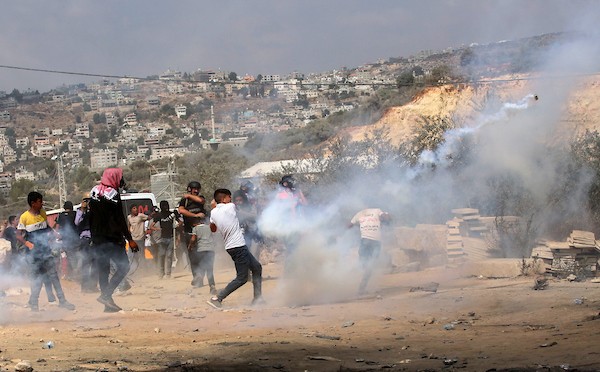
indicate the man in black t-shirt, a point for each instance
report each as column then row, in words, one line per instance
column 109, row 233
column 191, row 207
column 65, row 226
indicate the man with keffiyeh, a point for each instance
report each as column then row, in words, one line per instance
column 109, row 233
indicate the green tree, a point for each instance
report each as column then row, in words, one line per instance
column 17, row 95
column 440, row 74
column 467, row 57
column 20, row 189
column 103, row 136
column 167, row 110
column 96, row 118
column 405, row 79
column 232, row 76
column 64, row 147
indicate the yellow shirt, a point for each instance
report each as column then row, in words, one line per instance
column 35, row 225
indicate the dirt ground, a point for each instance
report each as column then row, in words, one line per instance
column 482, row 317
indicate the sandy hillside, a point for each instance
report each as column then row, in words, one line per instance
column 462, row 103
column 472, row 322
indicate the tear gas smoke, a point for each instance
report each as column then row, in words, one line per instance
column 510, row 168
column 452, row 137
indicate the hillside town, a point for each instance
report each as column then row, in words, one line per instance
column 117, row 121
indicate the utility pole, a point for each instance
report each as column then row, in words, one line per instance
column 214, row 144
column 62, row 186
column 212, row 120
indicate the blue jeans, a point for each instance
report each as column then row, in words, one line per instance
column 165, row 256
column 205, row 266
column 107, row 252
column 244, row 261
column 43, row 270
column 368, row 252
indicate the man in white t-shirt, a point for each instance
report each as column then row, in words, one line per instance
column 223, row 218
column 136, row 223
column 369, row 221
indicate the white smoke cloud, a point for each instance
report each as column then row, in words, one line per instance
column 511, row 139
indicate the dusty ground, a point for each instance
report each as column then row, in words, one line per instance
column 497, row 324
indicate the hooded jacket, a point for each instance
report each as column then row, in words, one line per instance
column 107, row 221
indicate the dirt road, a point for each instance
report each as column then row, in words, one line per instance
column 470, row 322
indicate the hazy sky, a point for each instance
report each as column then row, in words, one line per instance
column 146, row 37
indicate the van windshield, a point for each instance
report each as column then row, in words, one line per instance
column 145, row 205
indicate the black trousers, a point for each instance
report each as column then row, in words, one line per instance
column 107, row 252
column 89, row 265
column 244, row 261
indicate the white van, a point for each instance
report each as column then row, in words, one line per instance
column 146, row 201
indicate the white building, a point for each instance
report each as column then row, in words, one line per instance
column 180, row 111
column 43, row 151
column 82, row 130
column 22, row 142
column 160, row 152
column 24, row 174
column 130, row 119
column 101, row 159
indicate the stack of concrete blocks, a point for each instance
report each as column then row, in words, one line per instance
column 471, row 224
column 454, row 241
column 578, row 255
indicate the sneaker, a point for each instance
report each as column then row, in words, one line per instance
column 214, row 302
column 108, row 302
column 33, row 307
column 124, row 286
column 51, row 299
column 197, row 283
column 213, row 290
column 110, row 309
column 258, row 301
column 66, row 305
column 168, row 276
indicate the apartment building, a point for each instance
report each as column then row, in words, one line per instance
column 6, row 180
column 22, row 141
column 43, row 151
column 82, row 130
column 180, row 111
column 10, row 156
column 24, row 174
column 41, row 140
column 160, row 152
column 130, row 119
column 101, row 159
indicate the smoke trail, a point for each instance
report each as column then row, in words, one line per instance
column 452, row 138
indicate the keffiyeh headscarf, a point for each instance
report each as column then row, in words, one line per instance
column 111, row 179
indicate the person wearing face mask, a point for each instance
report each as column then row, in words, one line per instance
column 89, row 268
column 109, row 232
column 191, row 207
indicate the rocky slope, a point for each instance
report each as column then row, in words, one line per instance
column 461, row 104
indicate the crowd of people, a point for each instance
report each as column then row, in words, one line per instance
column 99, row 246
